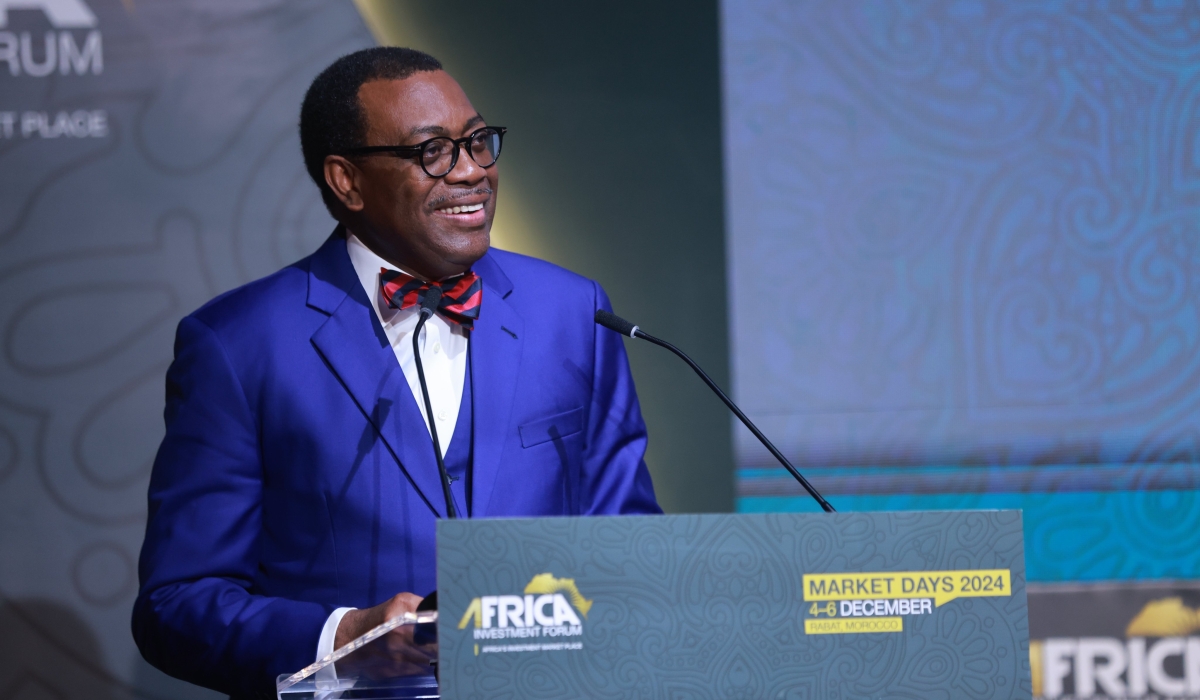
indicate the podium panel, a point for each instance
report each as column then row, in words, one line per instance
column 921, row 605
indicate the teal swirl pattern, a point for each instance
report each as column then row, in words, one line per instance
column 978, row 226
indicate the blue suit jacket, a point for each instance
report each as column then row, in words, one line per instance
column 297, row 474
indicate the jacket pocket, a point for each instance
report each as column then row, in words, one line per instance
column 553, row 427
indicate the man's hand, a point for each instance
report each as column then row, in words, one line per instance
column 396, row 654
column 356, row 623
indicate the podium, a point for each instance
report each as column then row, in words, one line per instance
column 921, row 605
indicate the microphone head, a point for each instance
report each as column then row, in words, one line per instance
column 614, row 322
column 430, row 301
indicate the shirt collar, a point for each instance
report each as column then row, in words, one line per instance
column 367, row 265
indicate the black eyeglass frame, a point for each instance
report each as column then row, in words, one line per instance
column 415, row 150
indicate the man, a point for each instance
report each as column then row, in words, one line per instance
column 293, row 499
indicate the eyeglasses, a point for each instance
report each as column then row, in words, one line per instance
column 439, row 155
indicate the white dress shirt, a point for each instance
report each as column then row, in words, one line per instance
column 443, row 357
column 443, row 344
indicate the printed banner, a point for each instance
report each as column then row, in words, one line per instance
column 769, row 605
column 1129, row 640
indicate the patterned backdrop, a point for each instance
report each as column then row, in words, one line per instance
column 174, row 175
column 964, row 253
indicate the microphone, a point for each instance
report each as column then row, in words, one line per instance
column 429, row 304
column 615, row 323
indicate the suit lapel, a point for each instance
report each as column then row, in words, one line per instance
column 357, row 351
column 496, row 346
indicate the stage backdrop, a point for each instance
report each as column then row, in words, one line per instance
column 964, row 265
column 149, row 161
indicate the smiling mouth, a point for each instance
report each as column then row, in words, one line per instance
column 464, row 209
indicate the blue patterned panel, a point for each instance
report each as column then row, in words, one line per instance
column 966, row 234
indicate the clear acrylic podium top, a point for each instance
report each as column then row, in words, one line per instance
column 394, row 661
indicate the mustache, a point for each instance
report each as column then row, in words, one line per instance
column 460, row 194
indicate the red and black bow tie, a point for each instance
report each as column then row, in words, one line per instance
column 461, row 296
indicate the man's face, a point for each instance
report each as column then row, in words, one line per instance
column 407, row 216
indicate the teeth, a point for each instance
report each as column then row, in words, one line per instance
column 463, row 210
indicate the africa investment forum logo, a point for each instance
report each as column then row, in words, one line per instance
column 549, row 608
column 64, row 49
column 72, row 47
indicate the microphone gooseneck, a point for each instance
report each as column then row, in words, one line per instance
column 617, row 324
column 429, row 304
column 614, row 322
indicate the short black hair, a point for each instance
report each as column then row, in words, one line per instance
column 331, row 119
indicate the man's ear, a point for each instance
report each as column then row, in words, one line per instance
column 343, row 178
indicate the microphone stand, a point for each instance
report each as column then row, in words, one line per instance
column 429, row 304
column 616, row 323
